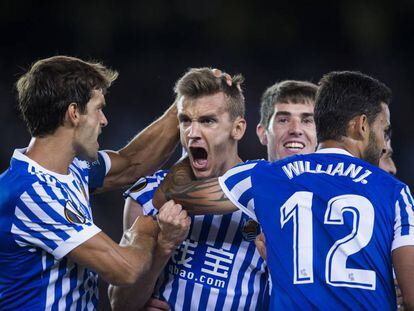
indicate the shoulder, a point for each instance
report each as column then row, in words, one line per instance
column 144, row 188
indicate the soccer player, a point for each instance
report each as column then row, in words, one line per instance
column 334, row 221
column 50, row 249
column 287, row 125
column 217, row 265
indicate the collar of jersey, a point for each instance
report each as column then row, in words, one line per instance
column 19, row 154
column 335, row 150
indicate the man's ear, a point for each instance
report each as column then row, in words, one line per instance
column 239, row 128
column 358, row 127
column 261, row 133
column 72, row 114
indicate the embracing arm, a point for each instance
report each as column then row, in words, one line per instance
column 145, row 153
column 174, row 225
column 120, row 264
column 197, row 197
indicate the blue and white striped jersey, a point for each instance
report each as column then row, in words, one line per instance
column 44, row 215
column 331, row 221
column 217, row 267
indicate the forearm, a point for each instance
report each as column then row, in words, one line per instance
column 154, row 144
column 134, row 297
column 145, row 153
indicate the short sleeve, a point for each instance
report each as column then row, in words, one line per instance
column 144, row 189
column 98, row 170
column 46, row 217
column 237, row 185
column 404, row 219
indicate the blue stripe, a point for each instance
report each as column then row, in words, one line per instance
column 58, row 284
column 50, row 211
column 49, row 243
column 250, row 285
column 81, row 291
column 243, row 268
column 236, row 178
column 81, row 173
column 235, row 245
column 146, row 196
column 46, row 274
column 33, row 218
column 189, row 286
column 73, row 276
column 246, row 197
column 404, row 217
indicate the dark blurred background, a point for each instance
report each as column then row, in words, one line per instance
column 152, row 43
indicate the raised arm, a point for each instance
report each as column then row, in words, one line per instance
column 145, row 153
column 198, row 197
column 174, row 226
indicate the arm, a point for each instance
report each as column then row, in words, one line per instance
column 403, row 261
column 145, row 153
column 174, row 225
column 196, row 196
column 120, row 264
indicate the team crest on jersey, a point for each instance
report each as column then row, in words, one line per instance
column 139, row 185
column 250, row 230
column 73, row 215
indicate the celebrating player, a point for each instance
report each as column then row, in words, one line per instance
column 217, row 265
column 287, row 125
column 334, row 221
column 51, row 251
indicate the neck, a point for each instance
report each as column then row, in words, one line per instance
column 53, row 152
column 345, row 143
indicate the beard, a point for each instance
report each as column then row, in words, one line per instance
column 374, row 150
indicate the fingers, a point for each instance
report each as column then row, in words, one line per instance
column 218, row 73
column 156, row 304
column 260, row 242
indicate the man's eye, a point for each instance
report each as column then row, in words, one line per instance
column 282, row 120
column 207, row 121
column 308, row 121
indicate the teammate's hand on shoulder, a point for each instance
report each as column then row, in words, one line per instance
column 174, row 225
column 154, row 304
column 260, row 242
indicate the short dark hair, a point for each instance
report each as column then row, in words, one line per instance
column 342, row 95
column 288, row 91
column 45, row 92
column 197, row 82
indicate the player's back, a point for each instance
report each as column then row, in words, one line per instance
column 331, row 221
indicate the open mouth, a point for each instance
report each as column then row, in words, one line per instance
column 294, row 145
column 199, row 157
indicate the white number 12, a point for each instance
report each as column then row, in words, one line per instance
column 298, row 208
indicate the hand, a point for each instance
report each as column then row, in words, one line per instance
column 260, row 242
column 154, row 304
column 229, row 80
column 174, row 226
column 400, row 301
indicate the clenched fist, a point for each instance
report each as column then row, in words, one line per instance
column 174, row 226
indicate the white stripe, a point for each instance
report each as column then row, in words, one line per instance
column 238, row 169
column 234, row 200
column 31, row 240
column 107, row 161
column 241, row 187
column 214, row 227
column 65, row 286
column 180, row 294
column 241, row 253
column 408, row 208
column 50, row 235
column 257, row 280
column 245, row 283
column 397, row 220
column 232, row 230
column 213, row 296
column 196, row 296
column 50, row 291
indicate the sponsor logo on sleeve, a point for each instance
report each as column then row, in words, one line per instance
column 73, row 215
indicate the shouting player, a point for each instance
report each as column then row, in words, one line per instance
column 334, row 221
column 217, row 265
